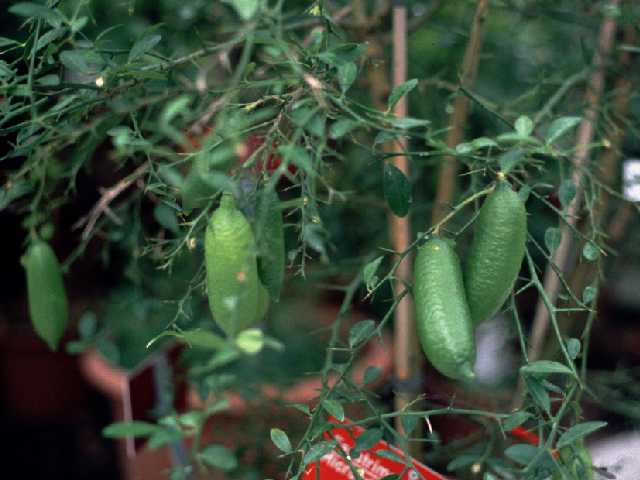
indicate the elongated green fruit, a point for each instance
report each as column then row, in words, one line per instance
column 270, row 234
column 232, row 272
column 47, row 296
column 442, row 315
column 497, row 250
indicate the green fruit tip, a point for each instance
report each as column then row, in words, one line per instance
column 227, row 200
column 504, row 184
column 466, row 372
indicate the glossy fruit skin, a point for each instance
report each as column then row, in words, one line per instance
column 442, row 314
column 48, row 305
column 232, row 273
column 271, row 247
column 498, row 247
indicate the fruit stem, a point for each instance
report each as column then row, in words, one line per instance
column 436, row 228
column 227, row 200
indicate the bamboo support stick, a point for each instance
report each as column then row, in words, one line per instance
column 405, row 348
column 449, row 169
column 563, row 254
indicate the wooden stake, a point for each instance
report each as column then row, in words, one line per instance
column 449, row 169
column 406, row 362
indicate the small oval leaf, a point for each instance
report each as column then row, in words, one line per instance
column 397, row 190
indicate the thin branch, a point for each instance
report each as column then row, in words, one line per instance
column 563, row 254
column 449, row 168
column 108, row 195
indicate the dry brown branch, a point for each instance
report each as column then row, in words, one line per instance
column 449, row 168
column 608, row 164
column 108, row 195
column 563, row 254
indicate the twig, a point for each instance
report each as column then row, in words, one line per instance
column 449, row 168
column 560, row 93
column 102, row 206
column 561, row 256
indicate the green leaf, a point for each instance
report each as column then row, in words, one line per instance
column 566, row 192
column 129, row 429
column 246, row 8
column 347, row 74
column 18, row 189
column 524, row 126
column 29, row 10
column 510, row 159
column 483, row 142
column 384, row 136
column 409, row 423
column 552, row 238
column 546, row 367
column 197, row 337
column 78, row 24
column 298, row 156
column 166, row 217
column 144, row 45
column 164, row 436
column 49, row 37
column 578, row 431
column 87, row 62
column 590, row 251
column 406, row 123
column 390, row 455
column 521, row 453
column 397, row 190
column 538, row 393
column 516, row 419
column 203, row 339
column 87, row 325
column 369, row 272
column 559, row 127
column 175, row 107
column 360, row 332
column 589, row 294
column 368, row 439
column 371, row 374
column 281, row 440
column 341, row 127
column 524, row 193
column 462, row 461
column 573, row 348
column 250, row 341
column 400, row 91
column 316, row 452
column 464, row 148
column 334, row 408
column 218, row 456
column 4, row 42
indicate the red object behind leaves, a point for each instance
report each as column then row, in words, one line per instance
column 525, row 435
column 243, row 150
column 251, row 144
column 369, row 464
column 372, row 466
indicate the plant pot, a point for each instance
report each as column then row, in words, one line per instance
column 37, row 383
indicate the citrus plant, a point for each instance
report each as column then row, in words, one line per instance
column 212, row 153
